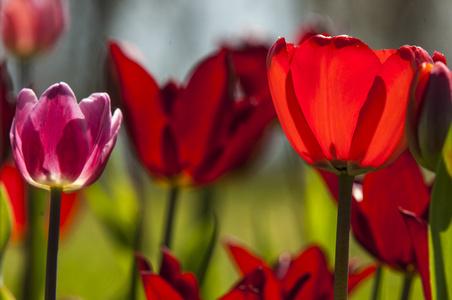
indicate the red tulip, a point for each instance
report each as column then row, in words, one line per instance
column 31, row 27
column 341, row 104
column 377, row 222
column 16, row 189
column 304, row 277
column 193, row 134
column 429, row 113
column 59, row 143
column 170, row 283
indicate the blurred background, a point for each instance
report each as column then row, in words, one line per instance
column 277, row 203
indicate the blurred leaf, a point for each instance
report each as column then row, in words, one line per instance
column 5, row 222
column 199, row 247
column 320, row 214
column 116, row 206
column 440, row 235
column 5, row 294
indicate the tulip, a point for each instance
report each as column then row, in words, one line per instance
column 342, row 107
column 32, row 27
column 305, row 276
column 61, row 145
column 193, row 134
column 378, row 224
column 429, row 113
column 170, row 283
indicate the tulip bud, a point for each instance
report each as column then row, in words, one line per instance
column 31, row 27
column 429, row 113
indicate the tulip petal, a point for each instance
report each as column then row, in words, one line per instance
column 356, row 277
column 144, row 109
column 209, row 92
column 389, row 140
column 333, row 76
column 157, row 288
column 418, row 229
column 244, row 260
column 57, row 122
column 291, row 117
column 251, row 287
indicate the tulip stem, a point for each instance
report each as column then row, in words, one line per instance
column 343, row 237
column 52, row 244
column 377, row 283
column 170, row 217
column 407, row 281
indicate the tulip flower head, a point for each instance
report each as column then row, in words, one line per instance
column 341, row 104
column 192, row 134
column 57, row 142
column 170, row 283
column 31, row 27
column 429, row 113
column 305, row 276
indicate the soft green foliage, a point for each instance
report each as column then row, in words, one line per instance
column 5, row 222
column 440, row 234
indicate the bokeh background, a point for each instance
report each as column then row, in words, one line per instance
column 277, row 203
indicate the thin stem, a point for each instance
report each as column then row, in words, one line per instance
column 407, row 281
column 343, row 237
column 52, row 244
column 377, row 283
column 170, row 217
column 25, row 77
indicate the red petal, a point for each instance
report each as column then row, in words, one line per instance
column 388, row 140
column 418, row 229
column 245, row 260
column 157, row 288
column 251, row 287
column 355, row 277
column 291, row 117
column 144, row 112
column 332, row 76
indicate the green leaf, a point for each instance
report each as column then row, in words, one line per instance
column 320, row 214
column 5, row 222
column 5, row 294
column 440, row 234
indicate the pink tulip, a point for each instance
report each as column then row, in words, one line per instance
column 30, row 27
column 59, row 143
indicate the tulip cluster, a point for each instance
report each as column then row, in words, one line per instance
column 371, row 122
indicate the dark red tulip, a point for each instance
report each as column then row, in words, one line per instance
column 377, row 222
column 192, row 134
column 429, row 112
column 305, row 276
column 341, row 104
column 170, row 283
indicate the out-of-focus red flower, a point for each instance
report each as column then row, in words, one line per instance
column 341, row 104
column 305, row 276
column 193, row 134
column 377, row 222
column 429, row 112
column 7, row 109
column 17, row 192
column 31, row 27
column 170, row 283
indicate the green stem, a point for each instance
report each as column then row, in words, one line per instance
column 343, row 237
column 170, row 217
column 407, row 281
column 377, row 283
column 52, row 244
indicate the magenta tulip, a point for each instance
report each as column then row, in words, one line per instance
column 59, row 143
